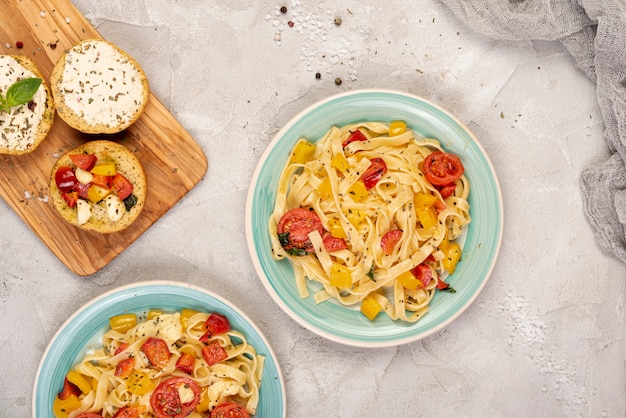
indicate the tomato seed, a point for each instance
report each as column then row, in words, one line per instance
column 337, row 21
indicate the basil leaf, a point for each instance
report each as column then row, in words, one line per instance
column 283, row 239
column 22, row 91
column 130, row 201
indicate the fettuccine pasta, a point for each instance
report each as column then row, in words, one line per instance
column 182, row 364
column 361, row 223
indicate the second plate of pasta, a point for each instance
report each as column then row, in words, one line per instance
column 374, row 218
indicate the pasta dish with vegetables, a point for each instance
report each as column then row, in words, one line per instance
column 174, row 365
column 371, row 215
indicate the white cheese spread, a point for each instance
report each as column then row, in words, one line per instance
column 19, row 126
column 101, row 85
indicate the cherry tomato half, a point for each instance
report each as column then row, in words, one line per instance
column 84, row 161
column 165, row 400
column 65, row 179
column 185, row 363
column 215, row 324
column 389, row 240
column 441, row 168
column 423, row 273
column 374, row 172
column 294, row 228
column 333, row 243
column 122, row 185
column 88, row 415
column 213, row 353
column 157, row 352
column 230, row 410
column 354, row 136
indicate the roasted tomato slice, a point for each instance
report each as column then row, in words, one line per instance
column 125, row 367
column 65, row 179
column 356, row 135
column 185, row 363
column 423, row 273
column 70, row 198
column 166, row 400
column 441, row 168
column 122, row 186
column 130, row 412
column 84, row 161
column 333, row 243
column 69, row 389
column 229, row 410
column 374, row 172
column 389, row 240
column 294, row 228
column 157, row 352
column 215, row 324
column 213, row 353
column 89, row 415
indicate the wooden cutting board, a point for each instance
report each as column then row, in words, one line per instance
column 173, row 161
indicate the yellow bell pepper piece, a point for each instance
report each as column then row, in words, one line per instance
column 104, row 168
column 370, row 307
column 302, row 152
column 187, row 313
column 79, row 380
column 356, row 217
column 204, row 403
column 397, row 127
column 340, row 276
column 335, row 228
column 96, row 193
column 62, row 408
column 122, row 323
column 424, row 199
column 427, row 216
column 409, row 281
column 453, row 255
column 358, row 191
column 339, row 162
column 153, row 313
column 325, row 190
column 139, row 383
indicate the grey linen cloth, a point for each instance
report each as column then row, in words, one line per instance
column 594, row 32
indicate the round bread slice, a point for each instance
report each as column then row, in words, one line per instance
column 100, row 219
column 98, row 88
column 25, row 126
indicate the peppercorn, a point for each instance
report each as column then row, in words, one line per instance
column 283, row 10
column 318, row 75
column 19, row 44
column 338, row 81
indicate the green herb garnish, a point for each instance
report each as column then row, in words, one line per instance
column 130, row 201
column 370, row 273
column 19, row 93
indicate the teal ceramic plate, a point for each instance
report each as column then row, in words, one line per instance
column 84, row 330
column 482, row 238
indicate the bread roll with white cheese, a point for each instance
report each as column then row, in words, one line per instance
column 98, row 88
column 25, row 126
column 100, row 209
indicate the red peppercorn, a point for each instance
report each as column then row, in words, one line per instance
column 290, row 23
column 19, row 44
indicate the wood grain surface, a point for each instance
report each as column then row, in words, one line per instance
column 173, row 161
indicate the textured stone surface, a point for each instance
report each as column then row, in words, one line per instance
column 545, row 337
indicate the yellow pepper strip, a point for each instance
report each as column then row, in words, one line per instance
column 340, row 276
column 335, row 228
column 370, row 307
column 96, row 193
column 339, row 162
column 358, row 191
column 424, row 199
column 153, row 313
column 122, row 323
column 427, row 216
column 356, row 217
column 79, row 380
column 302, row 152
column 104, row 168
column 453, row 255
column 187, row 313
column 139, row 383
column 204, row 403
column 409, row 281
column 397, row 127
column 62, row 408
column 325, row 189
